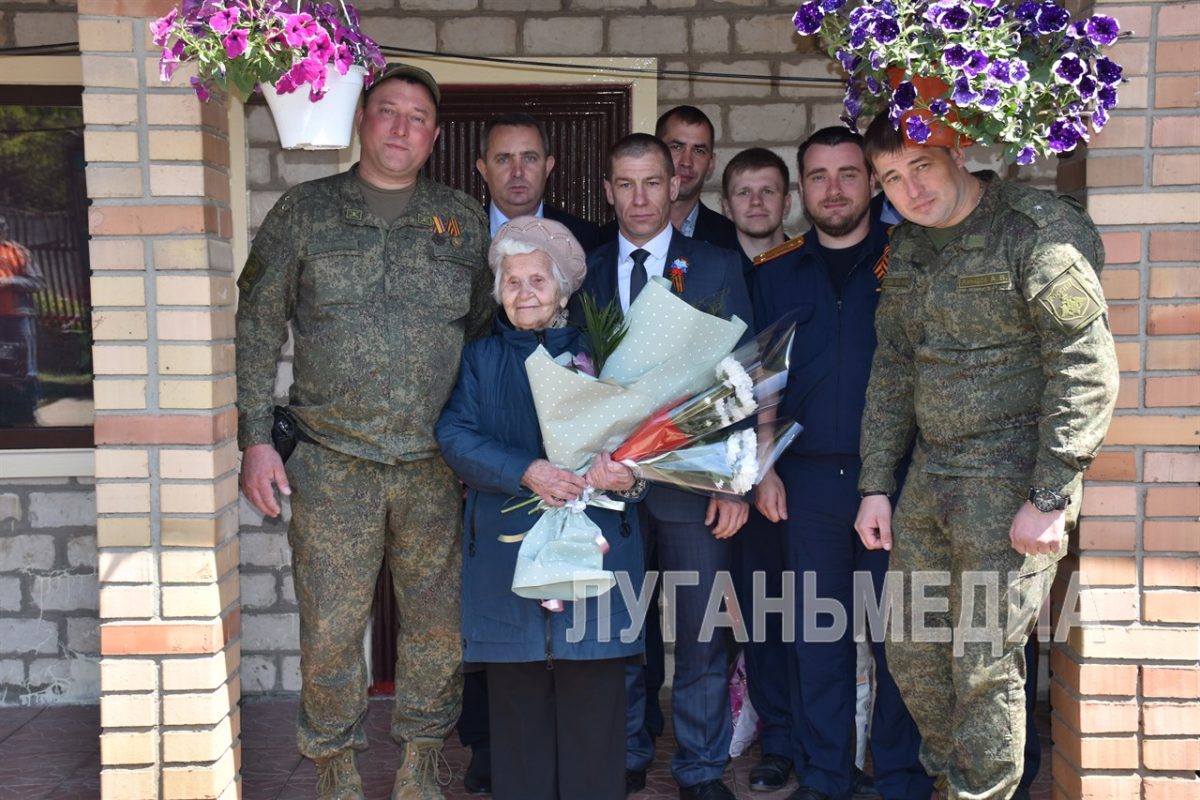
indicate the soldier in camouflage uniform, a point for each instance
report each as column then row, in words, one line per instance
column 994, row 352
column 383, row 274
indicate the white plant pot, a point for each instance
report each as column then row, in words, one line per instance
column 324, row 125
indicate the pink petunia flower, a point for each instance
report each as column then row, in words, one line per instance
column 224, row 19
column 201, row 89
column 235, row 43
column 161, row 27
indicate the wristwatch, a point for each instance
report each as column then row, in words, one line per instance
column 1047, row 500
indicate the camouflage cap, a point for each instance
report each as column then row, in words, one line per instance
column 412, row 73
column 552, row 238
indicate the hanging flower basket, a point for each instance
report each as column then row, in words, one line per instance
column 303, row 51
column 929, row 89
column 327, row 125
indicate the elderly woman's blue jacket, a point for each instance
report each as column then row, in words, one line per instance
column 489, row 435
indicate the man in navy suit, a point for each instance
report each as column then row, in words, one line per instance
column 690, row 532
column 515, row 164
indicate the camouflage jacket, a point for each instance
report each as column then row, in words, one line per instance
column 379, row 313
column 994, row 352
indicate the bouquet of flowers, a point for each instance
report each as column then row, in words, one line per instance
column 1021, row 74
column 239, row 44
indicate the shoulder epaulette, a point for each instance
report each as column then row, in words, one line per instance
column 778, row 250
column 881, row 266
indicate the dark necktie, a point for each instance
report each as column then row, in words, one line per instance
column 637, row 278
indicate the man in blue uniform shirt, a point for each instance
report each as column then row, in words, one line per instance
column 830, row 277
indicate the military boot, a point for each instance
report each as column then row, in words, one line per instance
column 338, row 779
column 423, row 772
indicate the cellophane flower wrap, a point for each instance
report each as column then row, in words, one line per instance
column 669, row 350
column 1022, row 75
column 239, row 44
column 728, row 462
column 748, row 381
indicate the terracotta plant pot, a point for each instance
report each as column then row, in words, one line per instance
column 929, row 88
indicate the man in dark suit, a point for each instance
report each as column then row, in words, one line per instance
column 515, row 164
column 689, row 531
column 689, row 134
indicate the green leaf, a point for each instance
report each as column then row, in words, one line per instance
column 603, row 328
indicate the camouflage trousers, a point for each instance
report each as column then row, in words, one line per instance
column 970, row 602
column 348, row 514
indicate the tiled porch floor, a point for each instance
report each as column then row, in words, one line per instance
column 53, row 753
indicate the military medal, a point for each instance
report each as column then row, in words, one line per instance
column 455, row 232
column 439, row 230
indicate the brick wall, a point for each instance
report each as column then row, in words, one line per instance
column 49, row 644
column 1126, row 685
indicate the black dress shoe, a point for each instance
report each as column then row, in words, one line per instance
column 478, row 777
column 807, row 793
column 709, row 790
column 635, row 781
column 864, row 787
column 771, row 773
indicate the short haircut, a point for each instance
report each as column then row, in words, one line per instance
column 688, row 115
column 510, row 247
column 881, row 138
column 754, row 158
column 829, row 137
column 514, row 120
column 636, row 145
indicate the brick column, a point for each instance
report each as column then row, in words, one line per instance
column 1126, row 684
column 166, row 459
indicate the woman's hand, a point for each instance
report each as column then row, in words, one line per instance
column 555, row 486
column 606, row 474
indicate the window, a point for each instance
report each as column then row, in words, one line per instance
column 45, row 305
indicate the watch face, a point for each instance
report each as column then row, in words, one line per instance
column 1044, row 500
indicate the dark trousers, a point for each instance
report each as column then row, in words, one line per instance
column 700, row 686
column 473, row 721
column 1033, row 745
column 825, row 553
column 759, row 548
column 558, row 734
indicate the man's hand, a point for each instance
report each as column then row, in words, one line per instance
column 770, row 498
column 262, row 471
column 1036, row 532
column 606, row 474
column 874, row 522
column 555, row 486
column 728, row 513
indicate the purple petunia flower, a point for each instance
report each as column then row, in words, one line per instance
column 1027, row 155
column 858, row 36
column 1063, row 136
column 161, row 27
column 1099, row 118
column 976, row 63
column 1052, row 18
column 321, row 48
column 1108, row 72
column 949, row 16
column 808, row 19
column 963, row 94
column 888, row 8
column 1107, row 97
column 235, row 42
column 1086, row 87
column 999, row 71
column 955, row 55
column 1076, row 30
column 990, row 99
column 1069, row 69
column 939, row 107
column 201, row 89
column 1027, row 11
column 878, row 60
column 224, row 19
column 1102, row 30
column 993, row 20
column 885, row 30
column 985, row 3
column 873, row 86
column 298, row 28
column 916, row 129
column 904, row 96
column 344, row 59
column 830, row 6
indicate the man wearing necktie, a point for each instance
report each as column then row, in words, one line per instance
column 690, row 531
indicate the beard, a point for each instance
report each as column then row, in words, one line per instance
column 835, row 224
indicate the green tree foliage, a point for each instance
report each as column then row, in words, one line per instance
column 36, row 146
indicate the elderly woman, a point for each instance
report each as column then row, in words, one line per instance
column 557, row 703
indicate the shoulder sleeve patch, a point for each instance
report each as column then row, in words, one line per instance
column 1070, row 301
column 881, row 266
column 252, row 273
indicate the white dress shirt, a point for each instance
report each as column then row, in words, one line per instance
column 496, row 218
column 656, row 264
